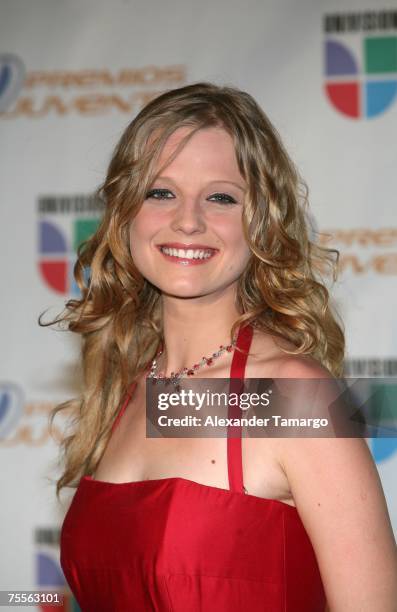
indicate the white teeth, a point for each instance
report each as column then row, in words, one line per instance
column 187, row 253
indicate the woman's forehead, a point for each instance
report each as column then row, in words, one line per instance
column 205, row 148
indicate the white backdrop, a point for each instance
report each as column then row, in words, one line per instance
column 72, row 75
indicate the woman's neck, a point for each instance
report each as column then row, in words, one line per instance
column 194, row 328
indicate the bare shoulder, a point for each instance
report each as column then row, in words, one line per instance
column 338, row 495
column 274, row 357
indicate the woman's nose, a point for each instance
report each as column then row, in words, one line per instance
column 188, row 217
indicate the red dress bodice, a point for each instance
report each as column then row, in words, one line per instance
column 174, row 545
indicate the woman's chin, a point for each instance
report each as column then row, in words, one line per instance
column 184, row 292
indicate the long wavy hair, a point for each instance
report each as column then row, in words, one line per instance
column 119, row 315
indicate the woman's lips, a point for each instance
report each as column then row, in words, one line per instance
column 187, row 261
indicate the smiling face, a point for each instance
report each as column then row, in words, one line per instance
column 187, row 238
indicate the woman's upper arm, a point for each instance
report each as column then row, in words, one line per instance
column 340, row 500
column 339, row 497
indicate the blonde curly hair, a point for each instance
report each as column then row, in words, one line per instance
column 282, row 290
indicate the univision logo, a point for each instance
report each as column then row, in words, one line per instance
column 11, row 408
column 375, row 399
column 383, row 410
column 355, row 91
column 12, row 76
column 58, row 253
column 361, row 71
column 59, row 237
column 49, row 574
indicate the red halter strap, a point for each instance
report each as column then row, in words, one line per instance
column 237, row 371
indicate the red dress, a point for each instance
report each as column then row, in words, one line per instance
column 173, row 545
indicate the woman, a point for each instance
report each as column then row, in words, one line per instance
column 204, row 251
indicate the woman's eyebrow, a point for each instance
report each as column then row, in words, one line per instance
column 167, row 178
column 231, row 182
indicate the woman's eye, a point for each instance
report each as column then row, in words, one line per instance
column 224, row 198
column 166, row 194
column 158, row 194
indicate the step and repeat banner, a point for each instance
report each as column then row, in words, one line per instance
column 72, row 76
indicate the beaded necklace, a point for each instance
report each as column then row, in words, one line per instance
column 175, row 377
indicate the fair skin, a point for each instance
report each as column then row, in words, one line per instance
column 343, row 510
column 189, row 212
